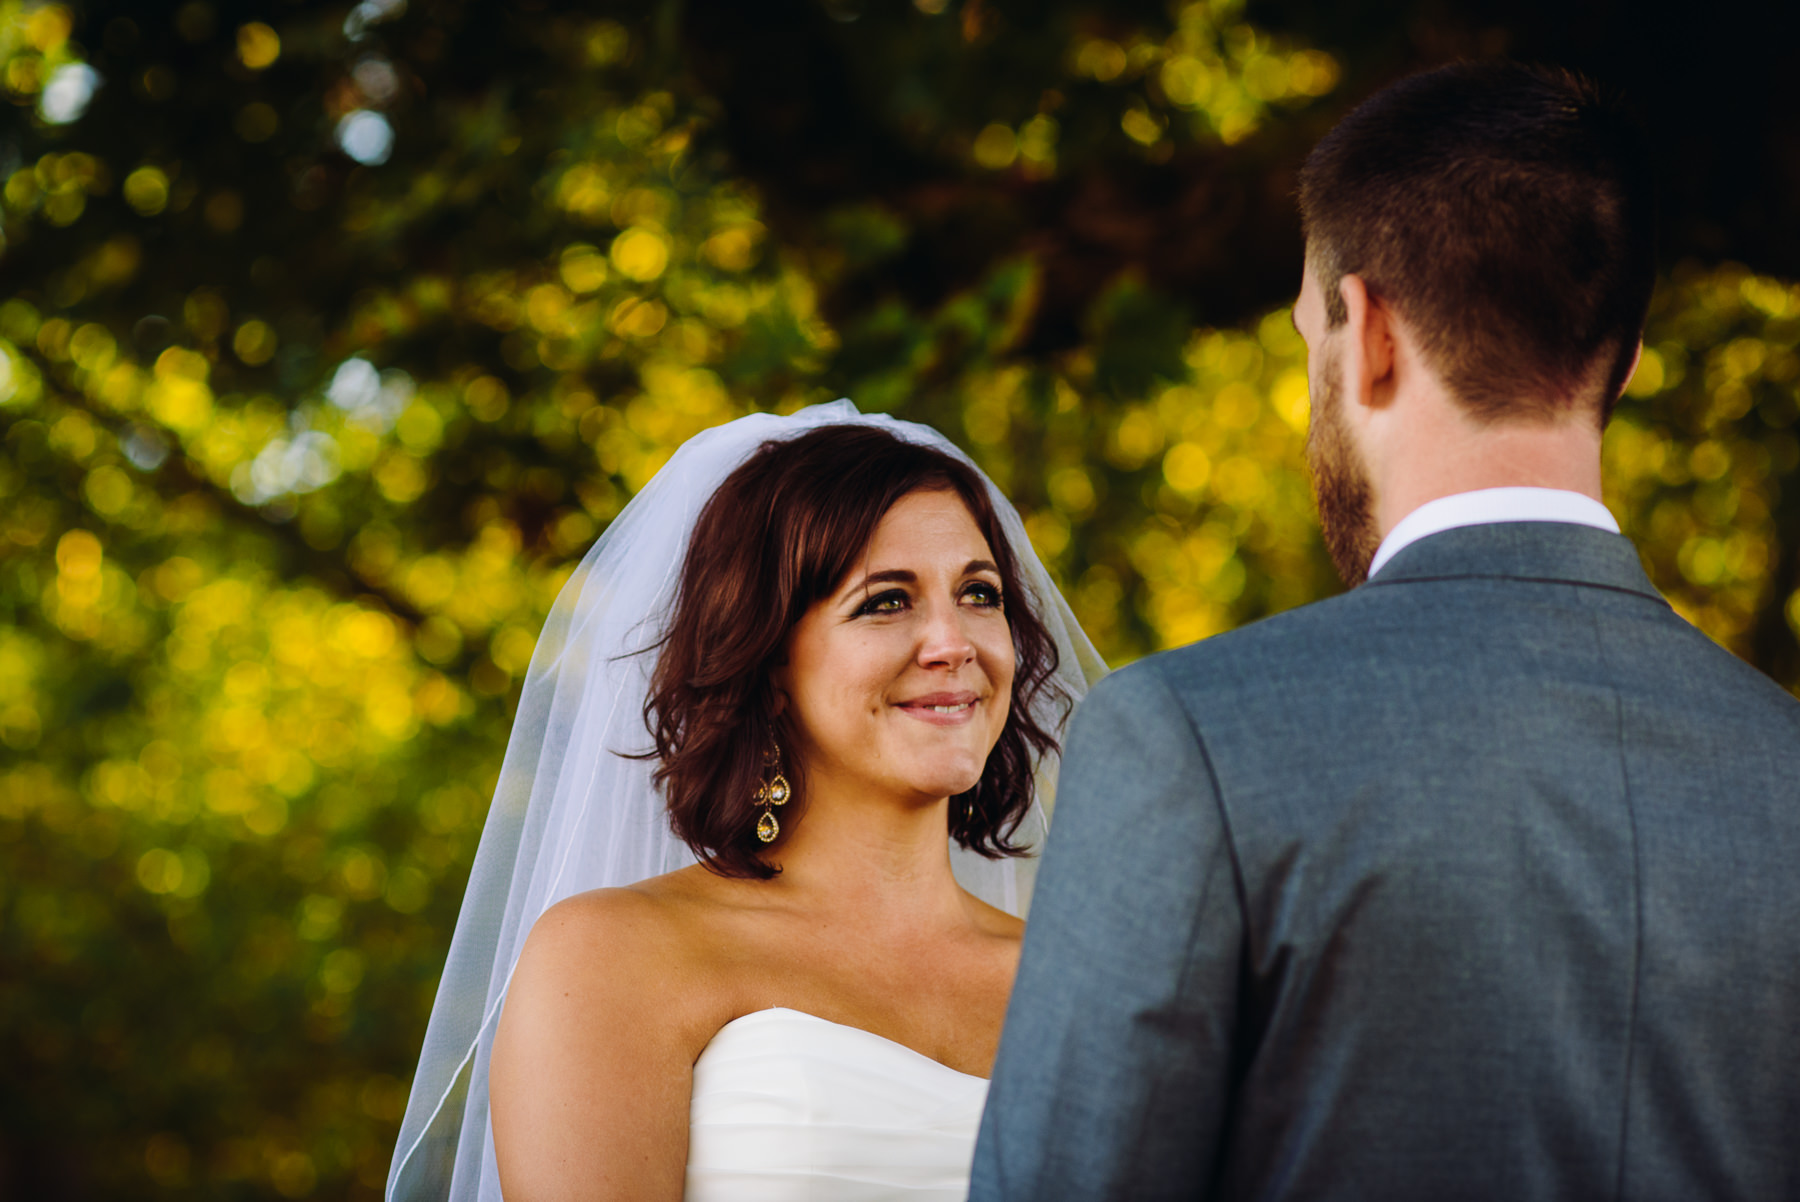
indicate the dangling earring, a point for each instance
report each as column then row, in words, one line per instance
column 771, row 793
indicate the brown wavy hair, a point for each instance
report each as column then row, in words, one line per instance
column 781, row 533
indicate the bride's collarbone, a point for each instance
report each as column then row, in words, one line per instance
column 944, row 999
column 945, row 1003
column 732, row 948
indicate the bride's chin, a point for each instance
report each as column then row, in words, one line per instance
column 949, row 783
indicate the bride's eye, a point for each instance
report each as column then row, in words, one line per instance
column 983, row 594
column 891, row 602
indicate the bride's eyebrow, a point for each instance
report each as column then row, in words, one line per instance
column 890, row 576
column 904, row 576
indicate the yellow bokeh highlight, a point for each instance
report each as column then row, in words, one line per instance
column 1312, row 73
column 1141, row 126
column 1189, row 81
column 1136, row 438
column 637, row 318
column 1072, row 490
column 545, row 306
column 47, row 28
column 420, row 427
column 147, row 191
column 487, row 398
column 1187, row 467
column 1292, row 400
column 606, row 42
column 178, row 396
column 92, row 348
column 258, row 46
column 184, row 873
column 402, row 478
column 733, row 248
column 108, row 490
column 640, row 254
column 1100, row 59
column 582, row 268
column 585, row 191
column 1214, row 67
column 254, row 343
column 511, row 649
column 78, row 557
column 996, row 147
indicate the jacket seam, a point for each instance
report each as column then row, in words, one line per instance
column 1626, row 589
column 1637, row 907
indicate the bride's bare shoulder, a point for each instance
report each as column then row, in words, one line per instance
column 607, row 1011
column 662, row 919
column 613, row 981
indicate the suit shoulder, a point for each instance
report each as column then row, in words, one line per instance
column 1136, row 680
column 1743, row 679
column 1293, row 631
column 1129, row 695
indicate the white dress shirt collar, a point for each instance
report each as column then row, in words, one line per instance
column 1487, row 505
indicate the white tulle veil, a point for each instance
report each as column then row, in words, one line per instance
column 569, row 814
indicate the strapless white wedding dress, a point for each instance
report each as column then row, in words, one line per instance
column 788, row 1107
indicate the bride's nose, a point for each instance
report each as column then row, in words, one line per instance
column 943, row 642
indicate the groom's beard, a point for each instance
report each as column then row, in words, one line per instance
column 1340, row 483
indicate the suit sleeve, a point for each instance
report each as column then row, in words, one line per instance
column 1115, row 1064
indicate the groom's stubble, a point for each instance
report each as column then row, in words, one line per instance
column 1340, row 480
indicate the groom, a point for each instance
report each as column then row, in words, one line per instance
column 1483, row 879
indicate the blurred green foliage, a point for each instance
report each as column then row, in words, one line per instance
column 332, row 336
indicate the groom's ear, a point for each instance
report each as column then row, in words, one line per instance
column 1368, row 344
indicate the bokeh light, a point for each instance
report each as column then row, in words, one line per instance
column 366, row 137
column 65, row 98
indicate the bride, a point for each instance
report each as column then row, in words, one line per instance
column 745, row 915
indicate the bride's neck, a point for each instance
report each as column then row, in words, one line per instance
column 886, row 861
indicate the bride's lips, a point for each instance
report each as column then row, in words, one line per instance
column 942, row 709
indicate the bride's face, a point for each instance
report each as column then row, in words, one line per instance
column 900, row 681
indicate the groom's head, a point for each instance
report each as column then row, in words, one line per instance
column 1506, row 214
column 1501, row 217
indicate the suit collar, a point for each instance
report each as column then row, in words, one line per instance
column 1558, row 551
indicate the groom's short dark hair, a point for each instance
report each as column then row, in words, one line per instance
column 1507, row 213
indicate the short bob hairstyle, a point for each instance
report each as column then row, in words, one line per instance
column 781, row 533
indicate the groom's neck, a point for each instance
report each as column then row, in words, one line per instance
column 1431, row 447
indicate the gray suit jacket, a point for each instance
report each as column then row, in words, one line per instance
column 1480, row 881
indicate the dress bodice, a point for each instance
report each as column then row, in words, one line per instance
column 797, row 1108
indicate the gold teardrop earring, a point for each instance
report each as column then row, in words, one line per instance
column 773, row 792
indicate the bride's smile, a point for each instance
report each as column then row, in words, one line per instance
column 942, row 709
